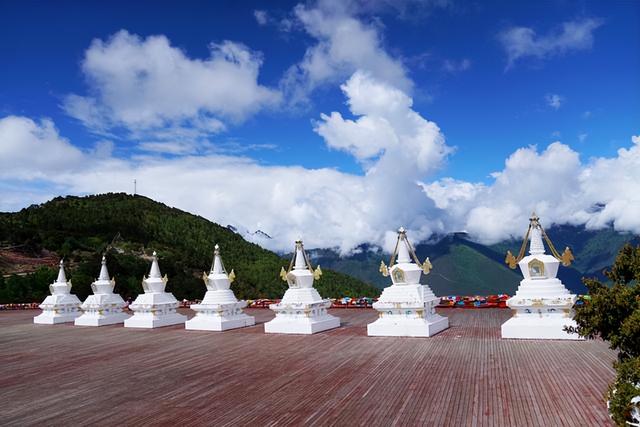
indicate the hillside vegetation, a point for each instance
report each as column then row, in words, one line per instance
column 129, row 228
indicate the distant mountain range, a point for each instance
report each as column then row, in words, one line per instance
column 464, row 267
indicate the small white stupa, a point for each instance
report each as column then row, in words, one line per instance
column 302, row 310
column 406, row 308
column 61, row 306
column 155, row 308
column 542, row 306
column 219, row 310
column 103, row 307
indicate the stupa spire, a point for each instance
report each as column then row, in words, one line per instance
column 62, row 278
column 300, row 263
column 537, row 245
column 104, row 273
column 155, row 269
column 403, row 247
column 217, row 267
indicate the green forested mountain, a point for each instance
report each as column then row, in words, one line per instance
column 129, row 228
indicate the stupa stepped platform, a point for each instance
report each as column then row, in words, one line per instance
column 406, row 308
column 220, row 310
column 542, row 306
column 155, row 308
column 61, row 306
column 340, row 376
column 302, row 310
column 104, row 307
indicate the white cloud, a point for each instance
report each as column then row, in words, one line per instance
column 523, row 42
column 155, row 91
column 327, row 207
column 554, row 100
column 330, row 208
column 582, row 137
column 387, row 123
column 262, row 17
column 453, row 66
column 31, row 150
column 555, row 184
column 344, row 44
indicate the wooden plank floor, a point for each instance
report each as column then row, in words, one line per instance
column 465, row 376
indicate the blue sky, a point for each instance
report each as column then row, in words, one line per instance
column 573, row 75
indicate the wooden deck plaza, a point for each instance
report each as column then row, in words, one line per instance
column 465, row 376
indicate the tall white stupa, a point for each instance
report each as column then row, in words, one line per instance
column 155, row 307
column 302, row 310
column 406, row 308
column 103, row 307
column 542, row 306
column 220, row 309
column 61, row 306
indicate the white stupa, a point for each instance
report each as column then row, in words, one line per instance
column 155, row 308
column 406, row 308
column 542, row 306
column 103, row 307
column 61, row 306
column 219, row 310
column 302, row 310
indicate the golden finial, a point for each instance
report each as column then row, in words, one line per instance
column 317, row 273
column 232, row 276
column 283, row 274
column 567, row 257
column 384, row 269
column 511, row 260
column 534, row 217
column 426, row 266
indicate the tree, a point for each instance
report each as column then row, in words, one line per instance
column 613, row 314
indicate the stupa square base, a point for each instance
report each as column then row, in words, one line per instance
column 216, row 323
column 101, row 320
column 401, row 326
column 157, row 321
column 308, row 326
column 534, row 327
column 53, row 319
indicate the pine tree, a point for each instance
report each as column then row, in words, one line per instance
column 613, row 314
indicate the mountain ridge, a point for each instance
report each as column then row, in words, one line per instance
column 594, row 250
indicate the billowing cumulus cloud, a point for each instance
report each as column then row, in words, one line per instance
column 386, row 125
column 554, row 183
column 328, row 208
column 158, row 93
column 30, row 150
column 343, row 45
